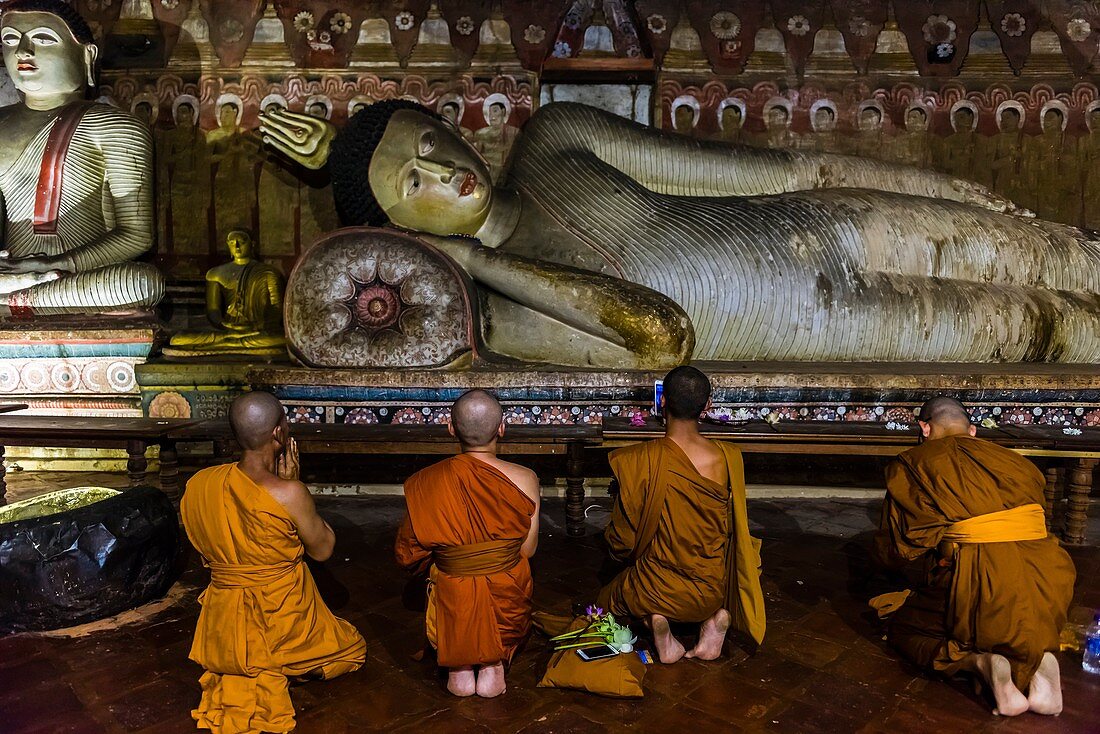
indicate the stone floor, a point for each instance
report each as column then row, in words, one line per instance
column 823, row 666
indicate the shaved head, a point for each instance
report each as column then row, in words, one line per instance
column 254, row 417
column 945, row 412
column 476, row 418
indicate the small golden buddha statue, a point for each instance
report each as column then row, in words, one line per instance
column 244, row 301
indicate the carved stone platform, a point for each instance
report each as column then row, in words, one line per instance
column 1032, row 393
column 76, row 366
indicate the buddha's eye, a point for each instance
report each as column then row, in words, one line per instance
column 427, row 143
column 10, row 37
column 44, row 37
column 412, row 185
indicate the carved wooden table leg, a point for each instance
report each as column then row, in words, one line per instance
column 135, row 462
column 1055, row 476
column 169, row 469
column 1078, row 487
column 574, row 490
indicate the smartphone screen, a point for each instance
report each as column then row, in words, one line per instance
column 658, row 391
column 597, row 652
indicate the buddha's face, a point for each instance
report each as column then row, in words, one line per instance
column 450, row 113
column 318, row 110
column 777, row 118
column 185, row 116
column 683, row 118
column 731, row 118
column 1010, row 121
column 964, row 120
column 42, row 56
column 916, row 121
column 870, row 119
column 239, row 245
column 427, row 178
column 823, row 119
column 1052, row 121
column 497, row 113
column 227, row 115
column 1094, row 121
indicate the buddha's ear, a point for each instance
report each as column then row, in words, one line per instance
column 91, row 54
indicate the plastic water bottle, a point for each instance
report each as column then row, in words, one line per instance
column 1091, row 659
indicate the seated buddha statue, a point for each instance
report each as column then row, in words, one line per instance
column 613, row 245
column 244, row 302
column 76, row 177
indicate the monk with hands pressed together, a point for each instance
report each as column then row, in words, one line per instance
column 262, row 620
column 472, row 523
column 680, row 524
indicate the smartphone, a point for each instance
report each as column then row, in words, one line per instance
column 597, row 652
column 658, row 391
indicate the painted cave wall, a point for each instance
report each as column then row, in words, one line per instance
column 962, row 87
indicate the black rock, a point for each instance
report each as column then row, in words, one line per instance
column 87, row 563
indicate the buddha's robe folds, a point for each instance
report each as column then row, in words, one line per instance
column 1008, row 597
column 686, row 540
column 466, row 523
column 262, row 617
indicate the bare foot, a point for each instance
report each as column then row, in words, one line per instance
column 1045, row 694
column 712, row 635
column 998, row 674
column 461, row 681
column 490, row 681
column 669, row 649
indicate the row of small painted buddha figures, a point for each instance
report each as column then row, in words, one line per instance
column 1053, row 172
column 992, row 605
column 604, row 243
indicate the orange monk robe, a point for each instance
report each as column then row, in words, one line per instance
column 262, row 618
column 1009, row 598
column 686, row 539
column 463, row 504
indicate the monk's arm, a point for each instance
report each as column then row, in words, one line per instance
column 410, row 554
column 316, row 534
column 903, row 536
column 621, row 533
column 127, row 150
column 530, row 487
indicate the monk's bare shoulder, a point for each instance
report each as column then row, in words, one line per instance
column 290, row 493
column 522, row 477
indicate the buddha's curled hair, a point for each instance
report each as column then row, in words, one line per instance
column 350, row 159
column 79, row 27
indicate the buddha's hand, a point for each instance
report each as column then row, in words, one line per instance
column 978, row 195
column 37, row 263
column 286, row 465
column 299, row 137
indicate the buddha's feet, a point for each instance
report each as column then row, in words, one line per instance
column 490, row 681
column 461, row 681
column 669, row 649
column 1045, row 694
column 712, row 636
column 997, row 673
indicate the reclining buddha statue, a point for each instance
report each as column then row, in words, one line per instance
column 610, row 244
column 76, row 181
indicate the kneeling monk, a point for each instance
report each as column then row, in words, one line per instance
column 473, row 522
column 999, row 587
column 262, row 619
column 681, row 523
